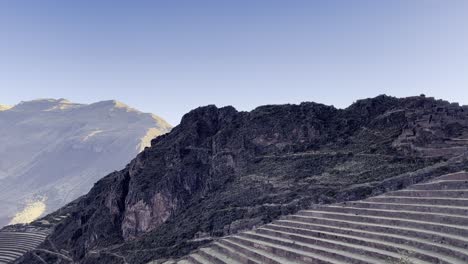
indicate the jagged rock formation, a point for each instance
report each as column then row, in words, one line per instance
column 425, row 223
column 53, row 151
column 221, row 171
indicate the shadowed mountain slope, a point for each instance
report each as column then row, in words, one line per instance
column 53, row 151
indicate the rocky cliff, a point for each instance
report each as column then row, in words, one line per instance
column 221, row 171
column 53, row 151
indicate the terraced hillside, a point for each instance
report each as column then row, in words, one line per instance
column 221, row 172
column 426, row 223
column 17, row 240
column 14, row 244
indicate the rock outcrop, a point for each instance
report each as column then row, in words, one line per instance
column 53, row 151
column 221, row 171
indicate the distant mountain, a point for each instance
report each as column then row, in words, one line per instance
column 53, row 151
column 221, row 171
column 4, row 107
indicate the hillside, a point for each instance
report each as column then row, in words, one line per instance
column 221, row 171
column 424, row 223
column 53, row 151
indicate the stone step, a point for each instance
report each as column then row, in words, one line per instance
column 7, row 235
column 216, row 256
column 21, row 240
column 19, row 246
column 422, row 249
column 7, row 259
column 15, row 248
column 302, row 251
column 35, row 238
column 212, row 259
column 31, row 231
column 441, row 209
column 401, row 222
column 428, row 217
column 19, row 250
column 453, row 176
column 288, row 255
column 459, row 202
column 255, row 253
column 429, row 193
column 366, row 248
column 339, row 250
column 8, row 253
column 198, row 259
column 22, row 234
column 441, row 185
column 436, row 237
column 233, row 253
column 22, row 237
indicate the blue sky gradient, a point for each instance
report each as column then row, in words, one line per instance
column 168, row 57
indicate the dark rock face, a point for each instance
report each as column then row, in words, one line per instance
column 221, row 171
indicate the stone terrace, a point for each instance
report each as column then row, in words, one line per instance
column 426, row 223
column 17, row 240
column 14, row 244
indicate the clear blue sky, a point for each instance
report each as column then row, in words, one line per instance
column 170, row 56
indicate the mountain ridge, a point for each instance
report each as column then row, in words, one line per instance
column 50, row 104
column 52, row 150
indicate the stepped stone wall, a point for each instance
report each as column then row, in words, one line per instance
column 17, row 240
column 15, row 243
column 425, row 223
